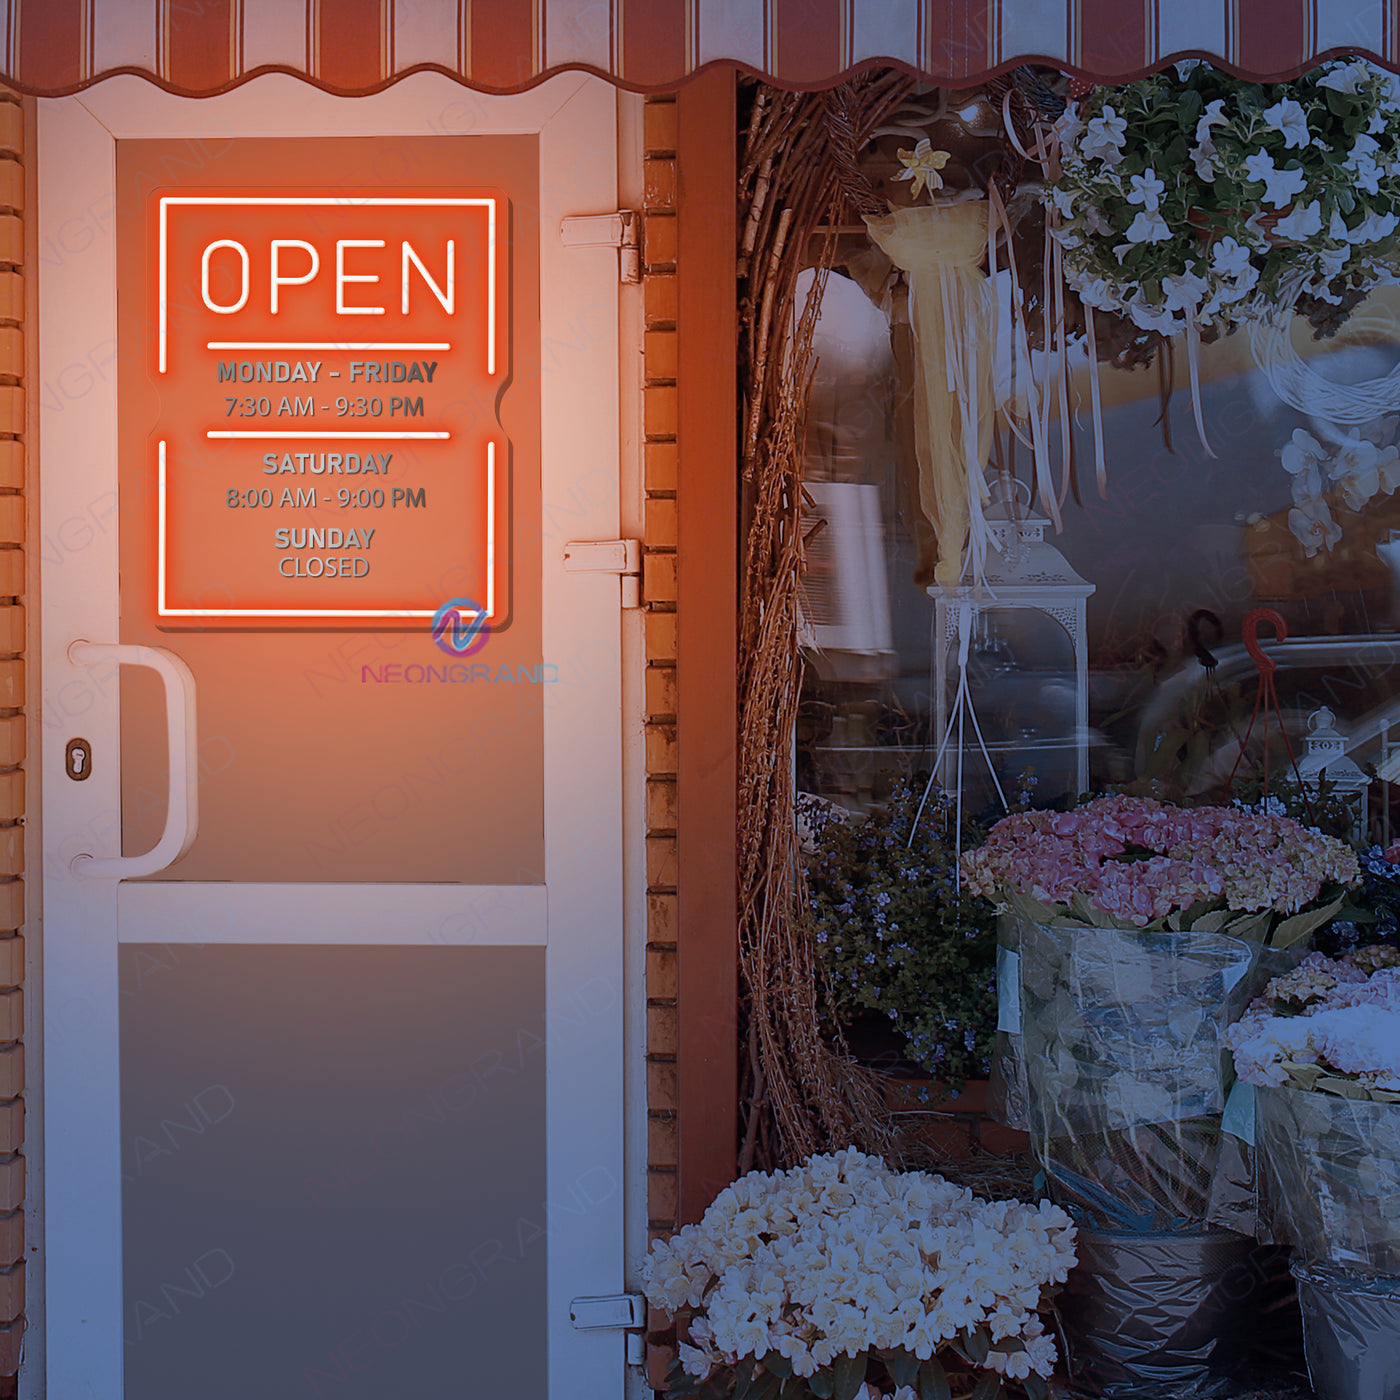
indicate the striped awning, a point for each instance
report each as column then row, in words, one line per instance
column 350, row 46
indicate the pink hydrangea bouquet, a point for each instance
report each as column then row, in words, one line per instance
column 1131, row 862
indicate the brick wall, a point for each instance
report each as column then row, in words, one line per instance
column 13, row 440
column 659, row 599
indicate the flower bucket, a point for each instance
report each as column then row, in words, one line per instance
column 1151, row 1316
column 1351, row 1330
column 1126, row 1075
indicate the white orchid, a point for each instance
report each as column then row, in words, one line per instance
column 1362, row 469
column 1312, row 525
column 1290, row 120
column 1304, row 459
column 1103, row 137
column 1145, row 189
column 1279, row 185
column 1300, row 225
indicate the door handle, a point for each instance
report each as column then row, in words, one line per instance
column 182, row 806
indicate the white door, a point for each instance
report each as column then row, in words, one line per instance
column 333, row 915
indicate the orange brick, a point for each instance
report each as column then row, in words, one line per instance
column 12, row 671
column 661, row 1030
column 11, row 912
column 12, row 420
column 12, row 296
column 660, row 694
column 11, row 959
column 12, row 1237
column 663, row 1197
column 661, row 862
column 660, row 525
column 11, row 507
column 11, row 1185
column 11, row 463
column 663, row 1143
column 663, row 918
column 659, row 354
column 11, row 635
column 660, row 404
column 658, row 578
column 661, row 979
column 659, row 240
column 661, row 1085
column 11, row 337
column 11, row 184
column 12, row 585
column 658, row 183
column 11, row 1136
column 11, row 740
column 11, row 127
column 659, row 125
column 12, row 796
column 658, row 299
column 660, row 750
column 661, row 637
column 12, row 251
column 11, row 1019
column 659, row 1359
column 12, row 1293
column 12, row 1070
column 660, row 458
column 661, row 804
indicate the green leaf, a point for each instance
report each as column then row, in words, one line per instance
column 1294, row 930
column 933, row 1381
column 850, row 1375
column 779, row 1364
column 1035, row 1387
column 902, row 1365
column 743, row 1378
column 795, row 1388
column 822, row 1383
column 765, row 1387
column 989, row 1388
column 976, row 1344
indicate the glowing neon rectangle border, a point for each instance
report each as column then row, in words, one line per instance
column 163, row 611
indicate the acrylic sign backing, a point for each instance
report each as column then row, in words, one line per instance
column 327, row 363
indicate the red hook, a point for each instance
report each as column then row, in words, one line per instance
column 1249, row 630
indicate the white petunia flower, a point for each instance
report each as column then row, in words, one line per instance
column 1145, row 189
column 1279, row 185
column 1230, row 258
column 1103, row 137
column 1300, row 225
column 1374, row 228
column 1345, row 77
column 1148, row 227
column 1184, row 292
column 1289, row 120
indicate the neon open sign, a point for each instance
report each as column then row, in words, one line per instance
column 326, row 444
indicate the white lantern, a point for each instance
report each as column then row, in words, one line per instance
column 1025, row 572
column 1325, row 754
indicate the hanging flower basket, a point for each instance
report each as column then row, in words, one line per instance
column 1194, row 198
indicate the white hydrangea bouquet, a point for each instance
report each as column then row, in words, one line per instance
column 1194, row 199
column 843, row 1278
column 1321, row 1045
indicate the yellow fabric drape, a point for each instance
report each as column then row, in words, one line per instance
column 940, row 248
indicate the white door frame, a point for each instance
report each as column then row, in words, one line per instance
column 583, row 731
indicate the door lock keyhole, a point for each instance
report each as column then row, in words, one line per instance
column 77, row 759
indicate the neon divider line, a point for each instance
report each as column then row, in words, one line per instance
column 338, row 437
column 490, row 531
column 317, row 200
column 326, row 345
column 160, row 529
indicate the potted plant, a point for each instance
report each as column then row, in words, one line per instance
column 841, row 1278
column 1322, row 1047
column 1142, row 927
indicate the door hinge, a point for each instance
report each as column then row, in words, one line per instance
column 621, row 557
column 618, row 1312
column 620, row 231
